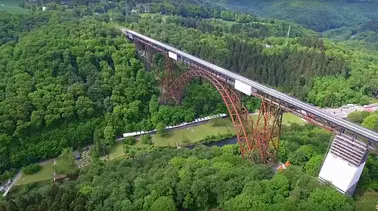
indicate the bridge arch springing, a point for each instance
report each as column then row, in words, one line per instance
column 254, row 144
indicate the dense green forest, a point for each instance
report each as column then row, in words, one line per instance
column 320, row 71
column 68, row 78
column 74, row 82
column 319, row 15
column 198, row 179
column 350, row 22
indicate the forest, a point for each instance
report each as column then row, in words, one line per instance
column 68, row 78
column 312, row 69
column 346, row 21
column 319, row 15
column 58, row 90
column 198, row 179
column 201, row 179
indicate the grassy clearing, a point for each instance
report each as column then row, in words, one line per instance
column 117, row 152
column 45, row 173
column 193, row 134
column 367, row 202
column 11, row 6
column 198, row 133
column 172, row 138
column 289, row 118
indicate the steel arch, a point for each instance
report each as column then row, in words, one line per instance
column 254, row 137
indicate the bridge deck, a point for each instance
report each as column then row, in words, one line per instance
column 295, row 103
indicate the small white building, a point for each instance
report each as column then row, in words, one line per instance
column 267, row 46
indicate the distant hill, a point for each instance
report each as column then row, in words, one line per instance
column 318, row 15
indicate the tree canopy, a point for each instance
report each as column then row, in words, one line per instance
column 198, row 179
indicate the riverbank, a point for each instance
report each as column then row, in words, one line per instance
column 205, row 132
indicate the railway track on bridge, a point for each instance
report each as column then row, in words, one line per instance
column 301, row 109
column 259, row 139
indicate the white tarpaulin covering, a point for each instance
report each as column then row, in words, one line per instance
column 172, row 55
column 246, row 89
column 340, row 173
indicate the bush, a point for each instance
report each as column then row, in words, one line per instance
column 130, row 141
column 185, row 140
column 126, row 148
column 160, row 129
column 216, row 138
column 146, row 139
column 217, row 122
column 31, row 169
column 7, row 175
column 358, row 116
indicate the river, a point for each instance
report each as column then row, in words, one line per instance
column 217, row 143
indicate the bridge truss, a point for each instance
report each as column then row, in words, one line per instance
column 258, row 138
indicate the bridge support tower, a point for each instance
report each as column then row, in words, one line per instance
column 344, row 163
column 258, row 137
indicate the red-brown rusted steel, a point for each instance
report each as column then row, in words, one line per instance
column 267, row 130
column 148, row 52
column 231, row 102
column 166, row 78
column 258, row 140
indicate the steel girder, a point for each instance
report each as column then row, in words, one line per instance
column 166, row 79
column 258, row 140
column 289, row 104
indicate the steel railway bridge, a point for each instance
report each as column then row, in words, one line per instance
column 259, row 138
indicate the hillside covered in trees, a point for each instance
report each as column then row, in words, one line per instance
column 351, row 22
column 68, row 78
column 199, row 179
column 313, row 69
column 319, row 15
column 71, row 83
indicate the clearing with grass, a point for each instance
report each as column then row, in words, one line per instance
column 46, row 173
column 193, row 134
column 11, row 6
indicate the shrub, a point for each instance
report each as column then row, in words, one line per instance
column 160, row 129
column 126, row 148
column 65, row 164
column 146, row 139
column 358, row 117
column 31, row 169
column 216, row 122
column 7, row 175
column 130, row 140
column 185, row 140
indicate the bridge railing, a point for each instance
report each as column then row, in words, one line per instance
column 297, row 107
